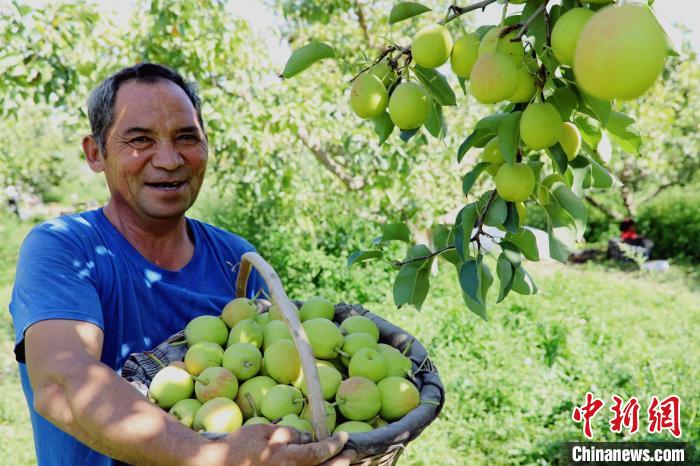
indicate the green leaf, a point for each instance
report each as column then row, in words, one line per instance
column 383, row 127
column 472, row 175
column 435, row 124
column 599, row 109
column 504, row 270
column 406, row 10
column 478, row 138
column 511, row 252
column 581, row 171
column 526, row 241
column 509, row 136
column 436, row 84
column 470, row 279
column 407, row 134
column 443, row 237
column 559, row 158
column 306, row 56
column 464, row 224
column 601, row 176
column 491, row 122
column 360, row 256
column 486, row 278
column 497, row 213
column 590, row 131
column 565, row 101
column 411, row 285
column 621, row 130
column 523, row 282
column 561, row 230
column 568, row 201
column 395, row 232
column 537, row 29
column 462, row 84
column 512, row 221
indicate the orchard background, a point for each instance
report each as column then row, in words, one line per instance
column 297, row 173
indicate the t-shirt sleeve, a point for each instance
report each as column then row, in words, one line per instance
column 55, row 280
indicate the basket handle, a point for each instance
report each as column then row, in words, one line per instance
column 308, row 363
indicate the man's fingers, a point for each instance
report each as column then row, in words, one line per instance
column 287, row 435
column 318, row 452
column 342, row 459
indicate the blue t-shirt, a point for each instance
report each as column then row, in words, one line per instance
column 80, row 267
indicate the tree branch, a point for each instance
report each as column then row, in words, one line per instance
column 416, row 259
column 455, row 11
column 363, row 23
column 609, row 212
column 352, row 184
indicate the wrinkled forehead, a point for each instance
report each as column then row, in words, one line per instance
column 161, row 106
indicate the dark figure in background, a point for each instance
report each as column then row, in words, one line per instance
column 629, row 235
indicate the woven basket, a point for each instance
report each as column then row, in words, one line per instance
column 381, row 446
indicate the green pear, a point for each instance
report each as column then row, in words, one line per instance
column 354, row 342
column 526, row 86
column 354, row 324
column 329, row 378
column 570, row 140
column 218, row 415
column 206, row 328
column 282, row 361
column 215, row 382
column 493, row 43
column 273, row 331
column 378, row 422
column 256, row 420
column 353, row 426
column 368, row 96
column 494, row 78
column 620, row 53
column 330, row 414
column 464, row 54
column 431, row 46
column 202, row 355
column 324, row 336
column 492, row 152
column 540, row 126
column 237, row 310
column 281, row 400
column 397, row 364
column 170, row 385
column 251, row 393
column 409, row 105
column 316, row 308
column 358, row 399
column 398, row 397
column 368, row 363
column 566, row 32
column 293, row 420
column 246, row 331
column 515, row 182
column 384, row 72
column 262, row 319
column 243, row 359
column 184, row 410
column 275, row 313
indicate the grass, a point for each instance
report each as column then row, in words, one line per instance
column 512, row 381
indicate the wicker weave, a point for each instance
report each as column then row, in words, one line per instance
column 379, row 447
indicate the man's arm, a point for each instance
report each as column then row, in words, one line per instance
column 87, row 399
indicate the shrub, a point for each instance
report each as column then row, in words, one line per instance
column 672, row 221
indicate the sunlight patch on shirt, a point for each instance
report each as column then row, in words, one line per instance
column 151, row 277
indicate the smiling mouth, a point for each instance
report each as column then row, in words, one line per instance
column 172, row 185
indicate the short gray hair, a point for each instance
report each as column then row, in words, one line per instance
column 101, row 100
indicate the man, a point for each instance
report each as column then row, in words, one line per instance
column 92, row 288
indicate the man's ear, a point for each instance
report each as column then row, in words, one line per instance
column 93, row 155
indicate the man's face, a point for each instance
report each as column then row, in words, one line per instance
column 156, row 151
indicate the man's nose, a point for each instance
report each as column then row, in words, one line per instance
column 167, row 156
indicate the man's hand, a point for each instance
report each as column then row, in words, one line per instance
column 267, row 444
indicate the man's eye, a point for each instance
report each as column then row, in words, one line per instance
column 189, row 137
column 139, row 140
